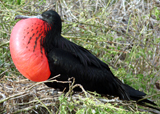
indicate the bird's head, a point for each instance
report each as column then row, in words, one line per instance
column 50, row 16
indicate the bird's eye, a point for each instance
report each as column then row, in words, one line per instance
column 46, row 15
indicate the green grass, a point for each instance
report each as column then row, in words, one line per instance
column 125, row 37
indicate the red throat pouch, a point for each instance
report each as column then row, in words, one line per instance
column 26, row 49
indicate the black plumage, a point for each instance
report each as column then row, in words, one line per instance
column 70, row 60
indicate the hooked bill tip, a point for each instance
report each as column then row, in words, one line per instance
column 17, row 17
column 20, row 17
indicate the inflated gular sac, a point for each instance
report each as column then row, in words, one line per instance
column 26, row 46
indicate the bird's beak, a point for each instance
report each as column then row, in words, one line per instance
column 26, row 17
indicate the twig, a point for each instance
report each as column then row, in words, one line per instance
column 43, row 105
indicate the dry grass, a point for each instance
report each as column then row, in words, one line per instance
column 20, row 95
column 124, row 34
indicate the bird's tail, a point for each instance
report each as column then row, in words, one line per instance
column 138, row 96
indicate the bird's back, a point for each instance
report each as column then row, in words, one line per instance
column 70, row 60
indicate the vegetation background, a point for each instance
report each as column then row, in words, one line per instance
column 125, row 34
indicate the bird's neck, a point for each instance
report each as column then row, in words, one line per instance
column 52, row 40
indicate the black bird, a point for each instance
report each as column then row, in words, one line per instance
column 71, row 60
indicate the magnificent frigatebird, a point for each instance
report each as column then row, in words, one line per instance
column 40, row 52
